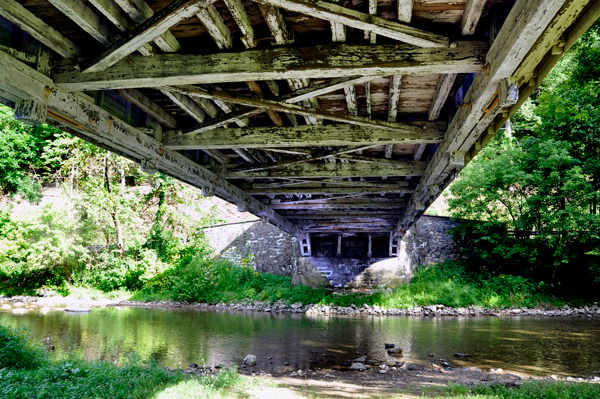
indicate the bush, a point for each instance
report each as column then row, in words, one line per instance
column 17, row 352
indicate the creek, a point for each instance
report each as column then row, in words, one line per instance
column 567, row 346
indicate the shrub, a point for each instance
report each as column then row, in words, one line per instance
column 17, row 352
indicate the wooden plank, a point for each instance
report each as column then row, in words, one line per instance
column 338, row 32
column 326, row 183
column 373, row 11
column 79, row 116
column 340, row 214
column 470, row 19
column 316, row 190
column 218, row 156
column 441, row 95
column 147, row 31
column 273, row 138
column 189, row 106
column 359, row 20
column 38, row 29
column 326, row 61
column 195, row 91
column 21, row 56
column 419, row 151
column 139, row 11
column 344, row 170
column 405, row 10
column 87, row 20
column 146, row 105
column 368, row 98
column 340, row 206
column 255, row 87
column 215, row 26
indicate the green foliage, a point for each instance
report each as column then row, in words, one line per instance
column 530, row 390
column 21, row 147
column 18, row 352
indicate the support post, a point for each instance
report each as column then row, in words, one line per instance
column 339, row 247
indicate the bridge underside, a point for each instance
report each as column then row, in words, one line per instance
column 320, row 117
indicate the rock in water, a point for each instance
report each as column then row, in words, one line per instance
column 460, row 355
column 358, row 366
column 389, row 346
column 360, row 359
column 250, row 360
column 77, row 310
column 444, row 363
column 394, row 351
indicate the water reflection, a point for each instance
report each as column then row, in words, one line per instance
column 534, row 346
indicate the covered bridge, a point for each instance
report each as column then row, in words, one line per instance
column 324, row 118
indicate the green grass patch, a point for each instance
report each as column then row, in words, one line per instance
column 527, row 390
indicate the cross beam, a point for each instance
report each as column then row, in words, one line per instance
column 325, row 61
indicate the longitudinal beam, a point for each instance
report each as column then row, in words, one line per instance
column 326, row 61
column 80, row 116
column 331, row 170
column 360, row 20
column 302, row 136
column 316, row 190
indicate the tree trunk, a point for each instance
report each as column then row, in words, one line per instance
column 113, row 211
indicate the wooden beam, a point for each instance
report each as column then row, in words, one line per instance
column 277, row 25
column 373, row 11
column 316, row 190
column 359, row 20
column 139, row 12
column 255, row 87
column 340, row 206
column 38, row 29
column 241, row 17
column 189, row 106
column 344, row 170
column 419, row 151
column 405, row 10
column 441, row 95
column 307, row 136
column 394, row 97
column 351, row 99
column 326, row 61
column 218, row 156
column 147, row 31
column 79, row 116
column 146, row 105
column 471, row 16
column 326, row 183
column 195, row 91
column 324, row 88
column 83, row 16
column 215, row 26
column 340, row 214
column 234, row 117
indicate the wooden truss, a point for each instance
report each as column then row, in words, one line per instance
column 318, row 116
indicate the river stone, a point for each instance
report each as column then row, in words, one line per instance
column 296, row 305
column 358, row 366
column 250, row 360
column 18, row 304
column 360, row 359
column 20, row 311
column 6, row 306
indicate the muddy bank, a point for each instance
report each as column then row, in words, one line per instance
column 30, row 302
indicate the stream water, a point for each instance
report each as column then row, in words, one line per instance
column 176, row 338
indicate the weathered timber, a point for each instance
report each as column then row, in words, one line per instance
column 241, row 17
column 441, row 95
column 186, row 104
column 470, row 19
column 275, row 117
column 405, row 10
column 235, row 116
column 147, row 31
column 316, row 190
column 394, row 97
column 323, row 88
column 31, row 112
column 137, row 98
column 38, row 29
column 276, row 22
column 215, row 26
column 351, row 99
column 338, row 214
column 139, row 12
column 83, row 16
column 76, row 114
column 326, row 183
column 301, row 136
column 21, row 56
column 358, row 20
column 194, row 91
column 341, row 206
column 373, row 11
column 332, row 170
column 218, row 156
column 326, row 61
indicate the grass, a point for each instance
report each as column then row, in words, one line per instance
column 527, row 390
column 213, row 281
column 43, row 378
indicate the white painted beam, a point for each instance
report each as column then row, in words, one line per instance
column 149, row 107
column 405, row 10
column 471, row 16
column 441, row 95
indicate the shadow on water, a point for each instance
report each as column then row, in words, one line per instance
column 535, row 346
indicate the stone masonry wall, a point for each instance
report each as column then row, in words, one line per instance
column 428, row 242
